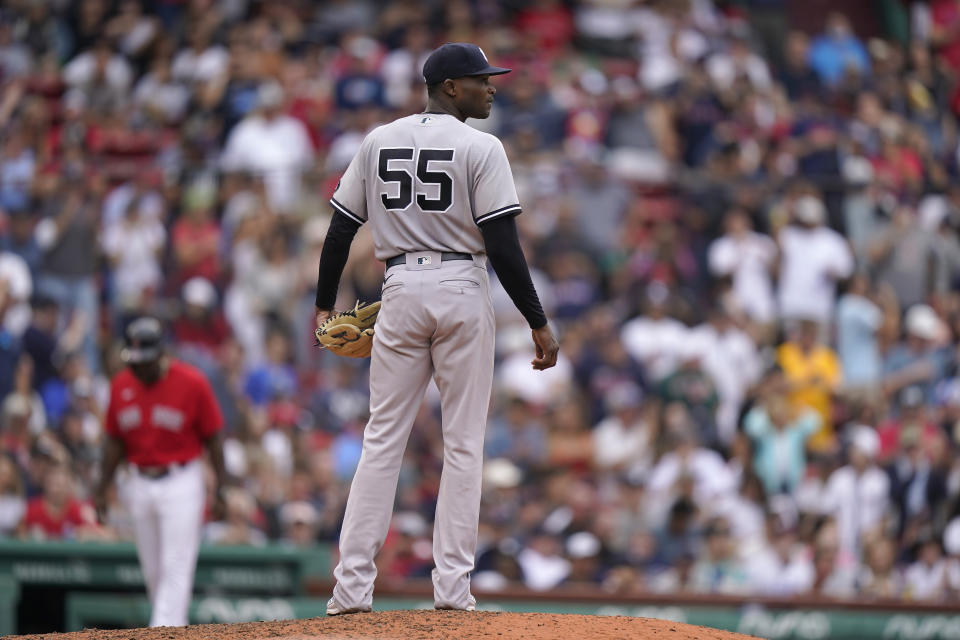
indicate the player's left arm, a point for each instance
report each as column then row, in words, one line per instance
column 502, row 244
column 495, row 206
column 214, row 447
column 209, row 425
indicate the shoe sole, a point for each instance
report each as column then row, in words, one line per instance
column 472, row 606
column 344, row 612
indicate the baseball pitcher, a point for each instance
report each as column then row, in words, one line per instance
column 440, row 199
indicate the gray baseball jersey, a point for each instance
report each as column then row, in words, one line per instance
column 425, row 182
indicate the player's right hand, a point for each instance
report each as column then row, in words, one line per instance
column 220, row 495
column 547, row 348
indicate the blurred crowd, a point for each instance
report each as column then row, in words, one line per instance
column 746, row 235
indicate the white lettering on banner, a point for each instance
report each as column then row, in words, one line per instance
column 129, row 418
column 241, row 577
column 128, row 574
column 804, row 625
column 906, row 627
column 167, row 418
column 73, row 573
column 245, row 610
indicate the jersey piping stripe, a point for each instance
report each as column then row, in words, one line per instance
column 342, row 209
column 503, row 211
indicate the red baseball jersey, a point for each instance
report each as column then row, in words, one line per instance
column 166, row 422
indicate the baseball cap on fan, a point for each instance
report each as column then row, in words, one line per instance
column 456, row 60
column 143, row 341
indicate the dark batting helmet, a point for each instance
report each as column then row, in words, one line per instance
column 143, row 341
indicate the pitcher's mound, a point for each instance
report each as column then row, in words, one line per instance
column 425, row 625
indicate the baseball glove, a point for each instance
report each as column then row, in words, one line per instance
column 349, row 333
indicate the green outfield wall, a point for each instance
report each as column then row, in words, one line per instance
column 80, row 585
column 89, row 610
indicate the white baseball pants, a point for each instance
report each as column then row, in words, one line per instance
column 436, row 319
column 167, row 515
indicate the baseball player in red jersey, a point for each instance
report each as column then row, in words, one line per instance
column 162, row 415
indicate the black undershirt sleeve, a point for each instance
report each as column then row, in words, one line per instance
column 503, row 250
column 333, row 257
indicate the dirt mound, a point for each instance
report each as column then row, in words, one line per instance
column 421, row 625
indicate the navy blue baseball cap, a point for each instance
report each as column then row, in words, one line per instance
column 458, row 59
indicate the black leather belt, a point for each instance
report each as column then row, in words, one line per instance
column 160, row 471
column 446, row 256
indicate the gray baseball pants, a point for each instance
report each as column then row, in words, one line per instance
column 436, row 319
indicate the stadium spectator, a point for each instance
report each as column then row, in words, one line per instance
column 880, row 578
column 57, row 514
column 926, row 579
column 40, row 341
column 519, row 432
column 725, row 68
column 785, row 567
column 237, row 526
column 134, row 245
column 200, row 330
column 813, row 374
column 918, row 483
column 655, row 339
column 902, row 254
column 729, row 356
column 838, row 53
column 299, row 521
column 859, row 320
column 101, row 74
column 944, row 36
column 542, row 562
column 921, row 357
column 813, row 258
column 780, row 433
column 797, row 76
column 747, row 258
column 909, row 428
column 600, row 202
column 12, row 503
column 687, row 462
column 719, row 569
column 622, row 441
column 16, row 429
column 858, row 494
column 68, row 238
column 17, row 169
column 15, row 273
column 584, row 550
column 834, row 573
column 195, row 237
column 10, row 346
column 272, row 145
